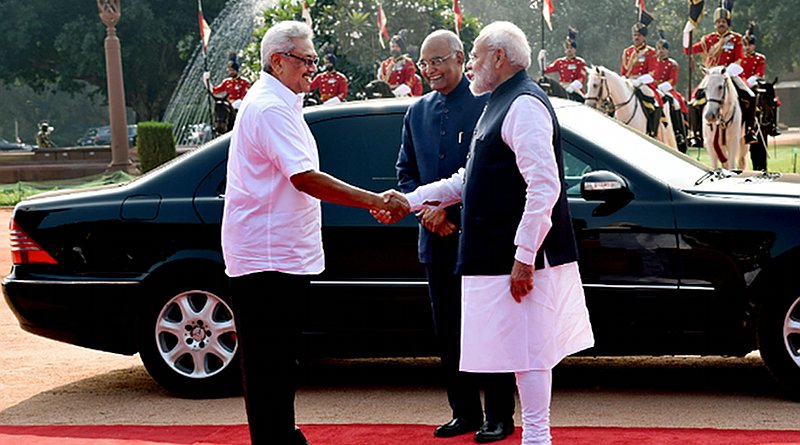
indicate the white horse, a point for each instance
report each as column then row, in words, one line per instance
column 602, row 84
column 723, row 134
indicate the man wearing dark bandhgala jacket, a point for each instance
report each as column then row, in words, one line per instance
column 436, row 135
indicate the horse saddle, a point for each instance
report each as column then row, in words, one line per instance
column 652, row 111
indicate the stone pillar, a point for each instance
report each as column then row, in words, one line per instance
column 110, row 13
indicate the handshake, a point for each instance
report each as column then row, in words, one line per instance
column 393, row 208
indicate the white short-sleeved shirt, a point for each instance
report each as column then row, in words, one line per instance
column 267, row 224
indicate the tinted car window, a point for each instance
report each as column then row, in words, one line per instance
column 363, row 158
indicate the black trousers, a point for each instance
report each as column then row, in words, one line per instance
column 463, row 389
column 267, row 306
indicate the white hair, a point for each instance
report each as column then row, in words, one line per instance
column 280, row 39
column 508, row 37
column 452, row 39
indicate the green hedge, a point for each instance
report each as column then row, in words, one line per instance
column 155, row 144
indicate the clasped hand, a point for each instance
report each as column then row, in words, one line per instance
column 394, row 207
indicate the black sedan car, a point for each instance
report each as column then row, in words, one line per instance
column 675, row 259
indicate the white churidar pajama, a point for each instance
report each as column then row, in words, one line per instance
column 528, row 338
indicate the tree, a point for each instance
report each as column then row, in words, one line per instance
column 348, row 27
column 59, row 45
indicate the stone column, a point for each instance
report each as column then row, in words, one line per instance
column 110, row 13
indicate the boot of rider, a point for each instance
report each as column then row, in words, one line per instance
column 695, row 125
column 749, row 118
column 680, row 131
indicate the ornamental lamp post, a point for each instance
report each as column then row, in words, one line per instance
column 110, row 13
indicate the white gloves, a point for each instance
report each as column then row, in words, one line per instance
column 574, row 86
column 751, row 81
column 333, row 101
column 665, row 87
column 206, row 78
column 402, row 91
column 644, row 79
column 236, row 104
column 734, row 69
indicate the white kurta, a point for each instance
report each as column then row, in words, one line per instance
column 551, row 322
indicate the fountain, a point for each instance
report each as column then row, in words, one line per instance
column 231, row 30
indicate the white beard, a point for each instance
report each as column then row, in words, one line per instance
column 483, row 80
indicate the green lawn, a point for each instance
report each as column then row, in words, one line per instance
column 780, row 158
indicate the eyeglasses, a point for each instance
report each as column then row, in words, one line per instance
column 308, row 61
column 434, row 62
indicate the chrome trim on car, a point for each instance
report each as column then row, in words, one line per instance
column 49, row 282
column 646, row 286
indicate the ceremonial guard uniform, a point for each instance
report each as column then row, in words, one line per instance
column 570, row 68
column 399, row 70
column 235, row 87
column 722, row 47
column 331, row 83
column 640, row 59
column 665, row 77
column 753, row 63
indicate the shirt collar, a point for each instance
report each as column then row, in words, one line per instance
column 282, row 91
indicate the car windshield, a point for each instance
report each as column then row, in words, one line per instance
column 668, row 165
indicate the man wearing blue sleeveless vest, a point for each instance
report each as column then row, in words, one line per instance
column 437, row 131
column 523, row 303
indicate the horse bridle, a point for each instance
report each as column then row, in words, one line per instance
column 599, row 97
column 724, row 123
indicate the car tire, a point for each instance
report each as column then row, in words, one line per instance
column 779, row 340
column 187, row 337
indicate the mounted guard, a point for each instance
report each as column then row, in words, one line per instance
column 571, row 69
column 638, row 65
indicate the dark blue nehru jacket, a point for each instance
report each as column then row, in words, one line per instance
column 437, row 131
column 494, row 193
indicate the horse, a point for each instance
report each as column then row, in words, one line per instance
column 553, row 88
column 377, row 89
column 723, row 133
column 606, row 85
column 224, row 116
column 766, row 121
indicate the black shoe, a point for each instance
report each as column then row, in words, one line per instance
column 750, row 138
column 775, row 132
column 494, row 431
column 695, row 142
column 456, row 427
column 299, row 438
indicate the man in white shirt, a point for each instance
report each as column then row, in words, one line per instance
column 271, row 227
column 523, row 307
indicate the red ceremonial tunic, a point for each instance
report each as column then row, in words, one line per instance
column 753, row 65
column 667, row 71
column 718, row 49
column 568, row 70
column 236, row 87
column 640, row 61
column 398, row 71
column 330, row 84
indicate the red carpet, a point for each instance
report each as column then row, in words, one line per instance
column 375, row 435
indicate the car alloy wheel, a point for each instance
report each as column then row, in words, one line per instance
column 791, row 331
column 196, row 334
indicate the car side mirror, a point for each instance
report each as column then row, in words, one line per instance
column 605, row 186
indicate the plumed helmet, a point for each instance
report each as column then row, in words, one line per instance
column 400, row 39
column 750, row 34
column 571, row 40
column 640, row 28
column 329, row 57
column 233, row 63
column 662, row 40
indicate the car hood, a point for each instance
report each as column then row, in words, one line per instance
column 749, row 183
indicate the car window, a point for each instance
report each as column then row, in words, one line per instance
column 363, row 158
column 575, row 166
